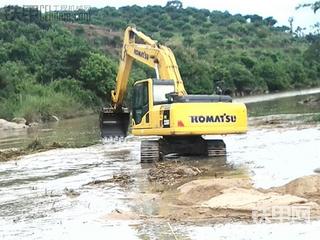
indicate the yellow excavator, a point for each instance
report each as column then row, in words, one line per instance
column 162, row 107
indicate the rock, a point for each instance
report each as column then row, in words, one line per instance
column 33, row 124
column 317, row 170
column 71, row 192
column 19, row 120
column 5, row 125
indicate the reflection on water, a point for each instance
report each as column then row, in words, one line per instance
column 291, row 105
column 76, row 132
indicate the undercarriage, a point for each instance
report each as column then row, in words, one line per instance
column 155, row 150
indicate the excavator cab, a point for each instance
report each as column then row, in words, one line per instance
column 140, row 106
column 147, row 94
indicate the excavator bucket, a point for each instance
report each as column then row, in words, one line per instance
column 114, row 122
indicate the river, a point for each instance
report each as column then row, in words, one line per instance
column 46, row 196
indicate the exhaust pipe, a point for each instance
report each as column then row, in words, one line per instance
column 114, row 122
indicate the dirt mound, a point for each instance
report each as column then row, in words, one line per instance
column 307, row 186
column 251, row 199
column 202, row 190
column 170, row 173
column 224, row 199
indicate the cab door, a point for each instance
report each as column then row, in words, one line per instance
column 140, row 108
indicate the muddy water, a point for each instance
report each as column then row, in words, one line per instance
column 35, row 204
column 46, row 196
column 291, row 105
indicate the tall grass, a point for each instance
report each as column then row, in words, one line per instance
column 40, row 105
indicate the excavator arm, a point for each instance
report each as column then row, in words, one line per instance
column 138, row 46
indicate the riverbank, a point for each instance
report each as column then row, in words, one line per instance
column 290, row 112
column 38, row 114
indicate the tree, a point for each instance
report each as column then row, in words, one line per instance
column 314, row 6
column 254, row 18
column 174, row 4
column 21, row 50
column 222, row 80
column 14, row 78
column 98, row 73
column 297, row 75
column 313, row 52
column 273, row 74
column 241, row 77
column 290, row 20
column 270, row 21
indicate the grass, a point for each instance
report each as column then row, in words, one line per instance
column 42, row 108
column 41, row 105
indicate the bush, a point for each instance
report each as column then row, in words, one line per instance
column 166, row 34
column 241, row 77
column 75, row 89
column 273, row 74
column 98, row 74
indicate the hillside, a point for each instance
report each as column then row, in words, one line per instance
column 242, row 54
column 64, row 68
column 46, row 70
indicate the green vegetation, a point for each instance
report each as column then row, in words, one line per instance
column 314, row 6
column 53, row 68
column 316, row 118
column 46, row 70
column 240, row 54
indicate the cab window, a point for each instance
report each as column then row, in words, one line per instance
column 140, row 101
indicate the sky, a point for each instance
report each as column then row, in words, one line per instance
column 281, row 10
